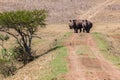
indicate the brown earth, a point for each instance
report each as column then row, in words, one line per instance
column 85, row 67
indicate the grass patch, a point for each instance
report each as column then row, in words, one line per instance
column 58, row 66
column 104, row 48
column 68, row 34
column 102, row 43
column 62, row 39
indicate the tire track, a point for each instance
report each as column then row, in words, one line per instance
column 75, row 68
column 85, row 67
column 107, row 67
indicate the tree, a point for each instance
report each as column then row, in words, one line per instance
column 22, row 25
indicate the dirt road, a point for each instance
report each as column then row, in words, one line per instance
column 74, row 64
column 85, row 61
column 90, row 64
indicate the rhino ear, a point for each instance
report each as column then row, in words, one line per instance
column 70, row 20
column 86, row 20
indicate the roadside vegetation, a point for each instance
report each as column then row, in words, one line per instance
column 58, row 66
column 6, row 58
column 62, row 39
column 104, row 47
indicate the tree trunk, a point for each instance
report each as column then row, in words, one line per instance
column 28, row 52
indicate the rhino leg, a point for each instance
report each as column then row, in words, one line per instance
column 80, row 30
column 76, row 30
column 84, row 29
column 88, row 30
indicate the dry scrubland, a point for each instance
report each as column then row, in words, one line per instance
column 107, row 22
column 39, row 68
column 60, row 11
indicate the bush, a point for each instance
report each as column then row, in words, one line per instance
column 20, row 55
column 7, row 68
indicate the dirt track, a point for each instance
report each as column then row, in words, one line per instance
column 88, row 66
column 92, row 65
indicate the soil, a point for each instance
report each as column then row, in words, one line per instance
column 85, row 67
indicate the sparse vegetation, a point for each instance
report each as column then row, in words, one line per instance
column 62, row 39
column 104, row 48
column 3, row 38
column 58, row 66
column 102, row 43
column 6, row 65
column 7, row 68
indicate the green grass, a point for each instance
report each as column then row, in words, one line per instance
column 102, row 43
column 67, row 34
column 104, row 48
column 58, row 66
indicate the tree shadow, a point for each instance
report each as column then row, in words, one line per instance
column 42, row 54
column 46, row 52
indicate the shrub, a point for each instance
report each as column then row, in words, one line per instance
column 7, row 68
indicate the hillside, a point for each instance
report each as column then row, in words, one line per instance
column 60, row 11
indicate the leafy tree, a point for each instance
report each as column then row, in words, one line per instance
column 22, row 25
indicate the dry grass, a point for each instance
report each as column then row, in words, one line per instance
column 106, row 21
column 109, row 14
column 48, row 35
column 60, row 11
column 109, row 46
